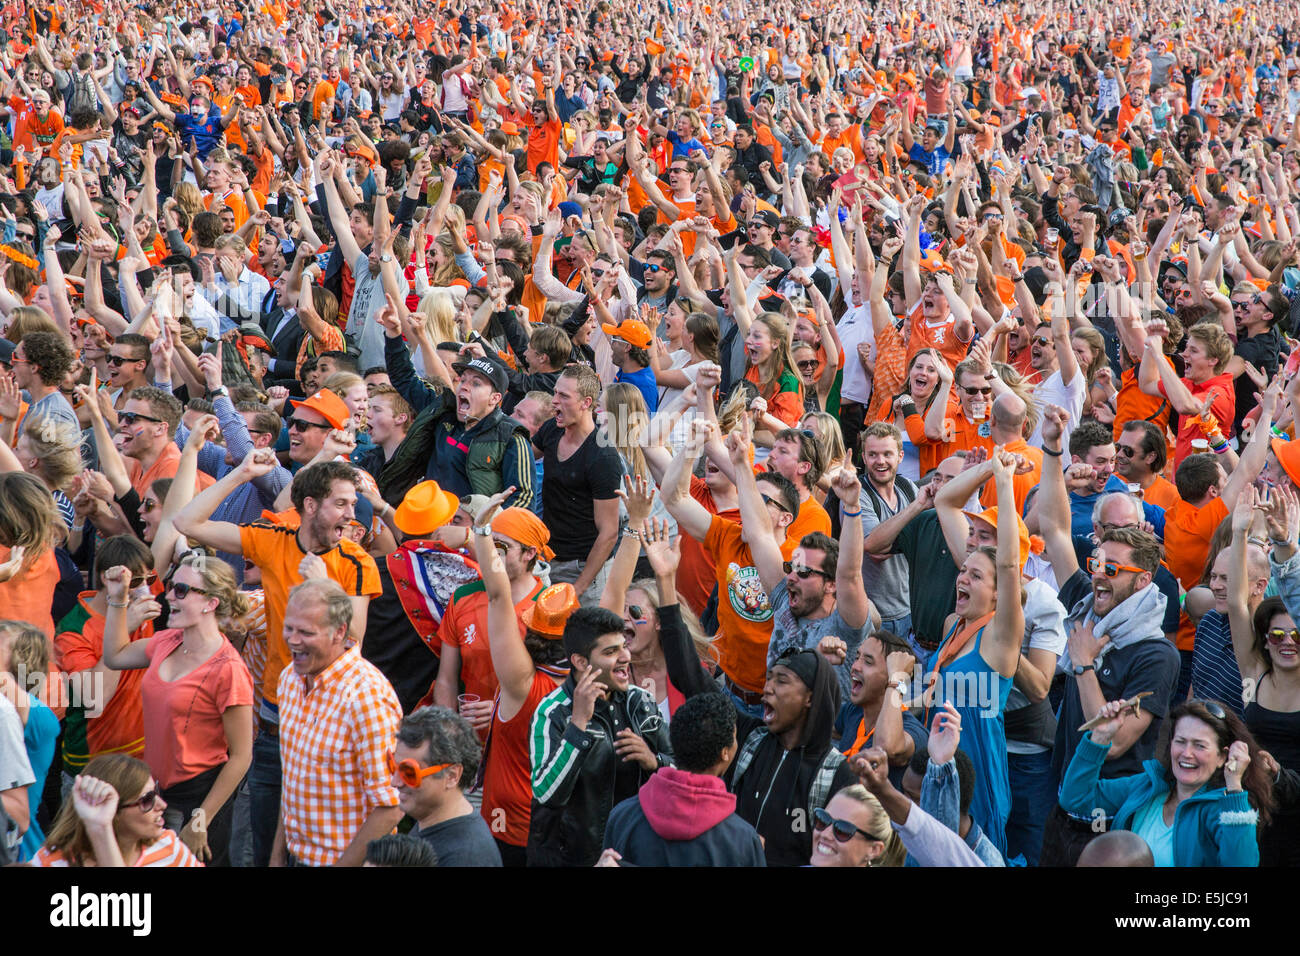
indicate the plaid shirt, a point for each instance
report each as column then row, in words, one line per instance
column 334, row 742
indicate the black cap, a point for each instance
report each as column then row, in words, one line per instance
column 769, row 217
column 6, row 351
column 489, row 368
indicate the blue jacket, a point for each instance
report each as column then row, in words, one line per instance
column 1211, row 827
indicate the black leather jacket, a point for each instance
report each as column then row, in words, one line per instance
column 578, row 777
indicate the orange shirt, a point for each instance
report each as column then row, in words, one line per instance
column 1162, row 494
column 939, row 336
column 1133, row 405
column 275, row 549
column 29, row 594
column 1022, row 484
column 695, row 575
column 1188, row 530
column 543, row 143
column 744, row 614
column 167, row 850
column 164, row 467
column 508, row 767
column 811, row 517
column 324, row 91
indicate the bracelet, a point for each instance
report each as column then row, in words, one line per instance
column 1278, row 432
column 1220, row 449
column 1054, row 454
column 78, row 526
column 111, row 604
column 631, row 533
column 849, row 514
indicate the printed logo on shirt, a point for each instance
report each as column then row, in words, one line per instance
column 745, row 590
column 984, row 430
column 469, row 635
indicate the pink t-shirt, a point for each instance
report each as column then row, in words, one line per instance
column 183, row 731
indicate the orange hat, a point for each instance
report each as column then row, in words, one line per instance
column 909, row 78
column 550, row 612
column 510, row 128
column 520, row 524
column 356, row 146
column 425, row 509
column 933, row 262
column 1288, row 456
column 201, row 80
column 990, row 516
column 632, row 331
column 329, row 406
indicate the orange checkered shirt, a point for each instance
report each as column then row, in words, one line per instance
column 334, row 743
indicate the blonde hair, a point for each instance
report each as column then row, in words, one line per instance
column 895, row 852
column 1024, row 391
column 29, row 517
column 829, row 436
column 57, row 446
column 189, row 199
column 703, row 643
column 29, row 318
column 627, row 423
column 780, row 361
column 219, row 581
column 438, row 307
column 448, row 272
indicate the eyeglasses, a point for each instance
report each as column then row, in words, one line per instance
column 972, row 392
column 298, row 424
column 1277, row 635
column 121, row 360
column 768, row 499
column 845, row 830
column 182, row 590
column 130, row 418
column 145, row 803
column 1111, row 568
column 1041, row 340
column 411, row 772
column 803, row 571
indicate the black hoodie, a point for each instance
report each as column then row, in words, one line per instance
column 773, row 793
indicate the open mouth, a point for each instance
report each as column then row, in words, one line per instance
column 622, row 673
column 855, row 686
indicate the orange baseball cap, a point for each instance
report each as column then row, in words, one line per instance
column 550, row 612
column 329, row 406
column 1288, row 456
column 632, row 331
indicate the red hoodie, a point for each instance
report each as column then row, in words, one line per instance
column 681, row 806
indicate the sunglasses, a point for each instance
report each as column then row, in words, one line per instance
column 637, row 613
column 845, row 831
column 121, row 360
column 1211, row 707
column 145, row 803
column 130, row 418
column 803, row 571
column 990, row 216
column 650, row 267
column 768, row 499
column 810, row 365
column 149, row 579
column 182, row 590
column 298, row 424
column 411, row 772
column 1111, row 568
column 148, row 504
column 985, row 390
column 1127, row 451
column 1277, row 635
column 29, row 236
column 1041, row 340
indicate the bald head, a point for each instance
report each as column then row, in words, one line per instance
column 1117, row 848
column 1009, row 411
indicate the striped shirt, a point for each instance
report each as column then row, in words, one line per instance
column 334, row 743
column 1215, row 675
column 167, row 850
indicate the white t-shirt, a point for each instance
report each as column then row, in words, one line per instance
column 855, row 328
column 1053, row 392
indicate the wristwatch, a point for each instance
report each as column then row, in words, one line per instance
column 1080, row 668
column 219, row 390
column 484, row 530
column 386, row 258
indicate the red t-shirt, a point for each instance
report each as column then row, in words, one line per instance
column 1224, row 409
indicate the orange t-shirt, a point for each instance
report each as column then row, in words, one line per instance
column 1134, row 405
column 184, row 733
column 1022, row 484
column 29, row 594
column 165, row 467
column 695, row 575
column 543, row 143
column 1188, row 530
column 744, row 614
column 324, row 91
column 811, row 517
column 275, row 549
column 940, row 337
column 1162, row 493
column 508, row 770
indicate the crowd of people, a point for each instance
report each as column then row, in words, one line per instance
column 556, row 434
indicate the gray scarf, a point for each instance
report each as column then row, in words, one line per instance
column 1139, row 617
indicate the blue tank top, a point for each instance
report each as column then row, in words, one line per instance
column 975, row 689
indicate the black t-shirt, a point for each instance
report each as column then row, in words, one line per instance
column 462, row 841
column 1124, row 672
column 570, row 488
column 392, row 645
column 1265, row 352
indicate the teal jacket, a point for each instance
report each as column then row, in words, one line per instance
column 1211, row 827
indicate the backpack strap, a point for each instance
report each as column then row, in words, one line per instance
column 819, row 793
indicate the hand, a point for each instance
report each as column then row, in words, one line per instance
column 585, row 692
column 663, row 554
column 478, row 713
column 1235, row 768
column 609, row 857
column 276, row 396
column 637, row 498
column 848, row 488
column 1081, row 479
column 872, row 768
column 312, row 566
column 1113, row 713
column 116, row 584
column 1281, row 510
column 206, row 429
column 945, row 734
column 338, row 441
column 196, row 839
column 1054, row 420
column 631, row 746
column 258, row 462
column 162, row 350
column 141, row 612
column 833, row 649
column 95, row 802
column 1083, row 647
column 10, row 398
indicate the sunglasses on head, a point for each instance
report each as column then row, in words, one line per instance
column 1212, row 707
column 1277, row 635
column 411, row 772
column 145, row 803
column 130, row 418
column 1110, row 568
column 845, row 830
column 298, row 424
column 803, row 571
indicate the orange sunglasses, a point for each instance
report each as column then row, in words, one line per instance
column 411, row 772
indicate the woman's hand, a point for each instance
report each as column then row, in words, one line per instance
column 637, row 498
column 945, row 734
column 196, row 839
column 664, row 555
column 95, row 802
column 1235, row 768
column 1112, row 714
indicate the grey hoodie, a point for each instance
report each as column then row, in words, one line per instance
column 1139, row 617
